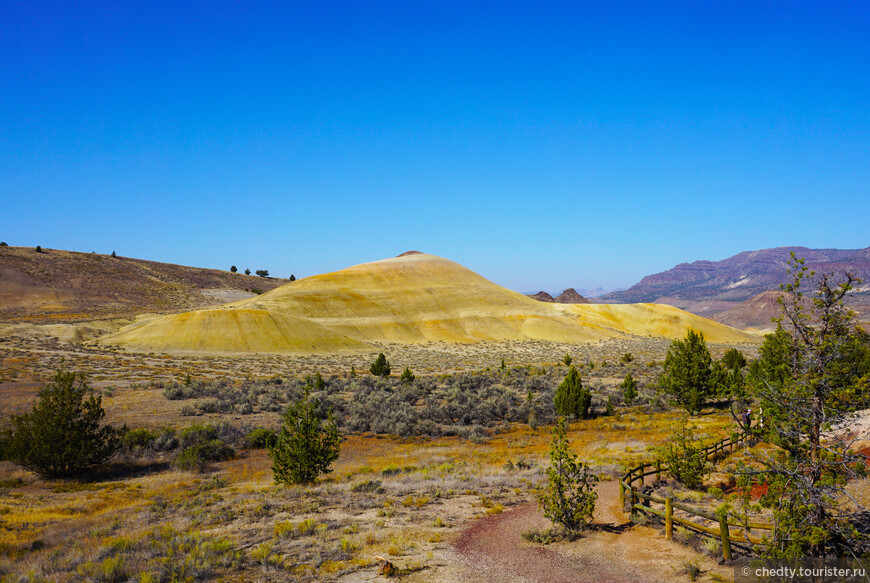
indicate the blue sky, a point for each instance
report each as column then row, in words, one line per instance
column 544, row 145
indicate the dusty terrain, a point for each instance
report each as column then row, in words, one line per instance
column 67, row 286
column 431, row 505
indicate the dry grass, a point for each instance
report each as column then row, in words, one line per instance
column 398, row 498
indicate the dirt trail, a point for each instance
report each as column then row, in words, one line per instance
column 493, row 550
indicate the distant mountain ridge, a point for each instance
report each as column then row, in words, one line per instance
column 569, row 296
column 742, row 291
column 740, row 277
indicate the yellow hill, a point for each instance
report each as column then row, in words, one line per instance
column 407, row 299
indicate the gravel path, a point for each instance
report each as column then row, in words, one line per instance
column 493, row 550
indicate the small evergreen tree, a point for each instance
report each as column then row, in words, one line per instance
column 262, row 272
column 407, row 376
column 569, row 497
column 38, row 249
column 114, row 254
column 233, row 268
column 381, row 366
column 61, row 437
column 247, row 272
column 533, row 414
column 572, row 398
column 567, row 360
column 629, row 389
column 733, row 359
column 319, row 383
column 685, row 458
column 688, row 373
column 292, row 277
column 608, row 409
column 308, row 444
column 352, row 371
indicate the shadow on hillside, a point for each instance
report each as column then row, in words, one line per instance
column 124, row 470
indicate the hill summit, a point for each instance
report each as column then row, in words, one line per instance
column 413, row 298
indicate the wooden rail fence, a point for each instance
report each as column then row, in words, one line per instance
column 639, row 502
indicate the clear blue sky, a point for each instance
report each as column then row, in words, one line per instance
column 542, row 144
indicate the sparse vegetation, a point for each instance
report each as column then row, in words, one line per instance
column 262, row 272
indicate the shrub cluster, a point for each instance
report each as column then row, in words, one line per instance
column 468, row 404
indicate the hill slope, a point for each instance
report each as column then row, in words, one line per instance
column 741, row 290
column 740, row 277
column 67, row 285
column 407, row 299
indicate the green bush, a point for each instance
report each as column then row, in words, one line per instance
column 688, row 374
column 685, row 457
column 572, row 398
column 733, row 359
column 61, row 437
column 308, row 444
column 200, row 456
column 569, row 497
column 138, row 439
column 407, row 376
column 381, row 366
column 201, row 445
column 629, row 389
column 261, row 438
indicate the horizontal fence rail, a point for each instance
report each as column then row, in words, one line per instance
column 640, row 502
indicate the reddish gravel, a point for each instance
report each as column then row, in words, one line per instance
column 492, row 550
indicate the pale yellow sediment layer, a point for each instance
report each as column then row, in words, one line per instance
column 408, row 299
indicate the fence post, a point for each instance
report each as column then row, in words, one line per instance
column 669, row 521
column 658, row 470
column 726, row 538
column 642, row 468
column 633, row 500
column 621, row 495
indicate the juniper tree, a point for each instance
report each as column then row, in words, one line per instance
column 803, row 393
column 307, row 445
column 569, row 497
column 688, row 373
column 62, row 437
column 629, row 389
column 572, row 398
column 381, row 366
